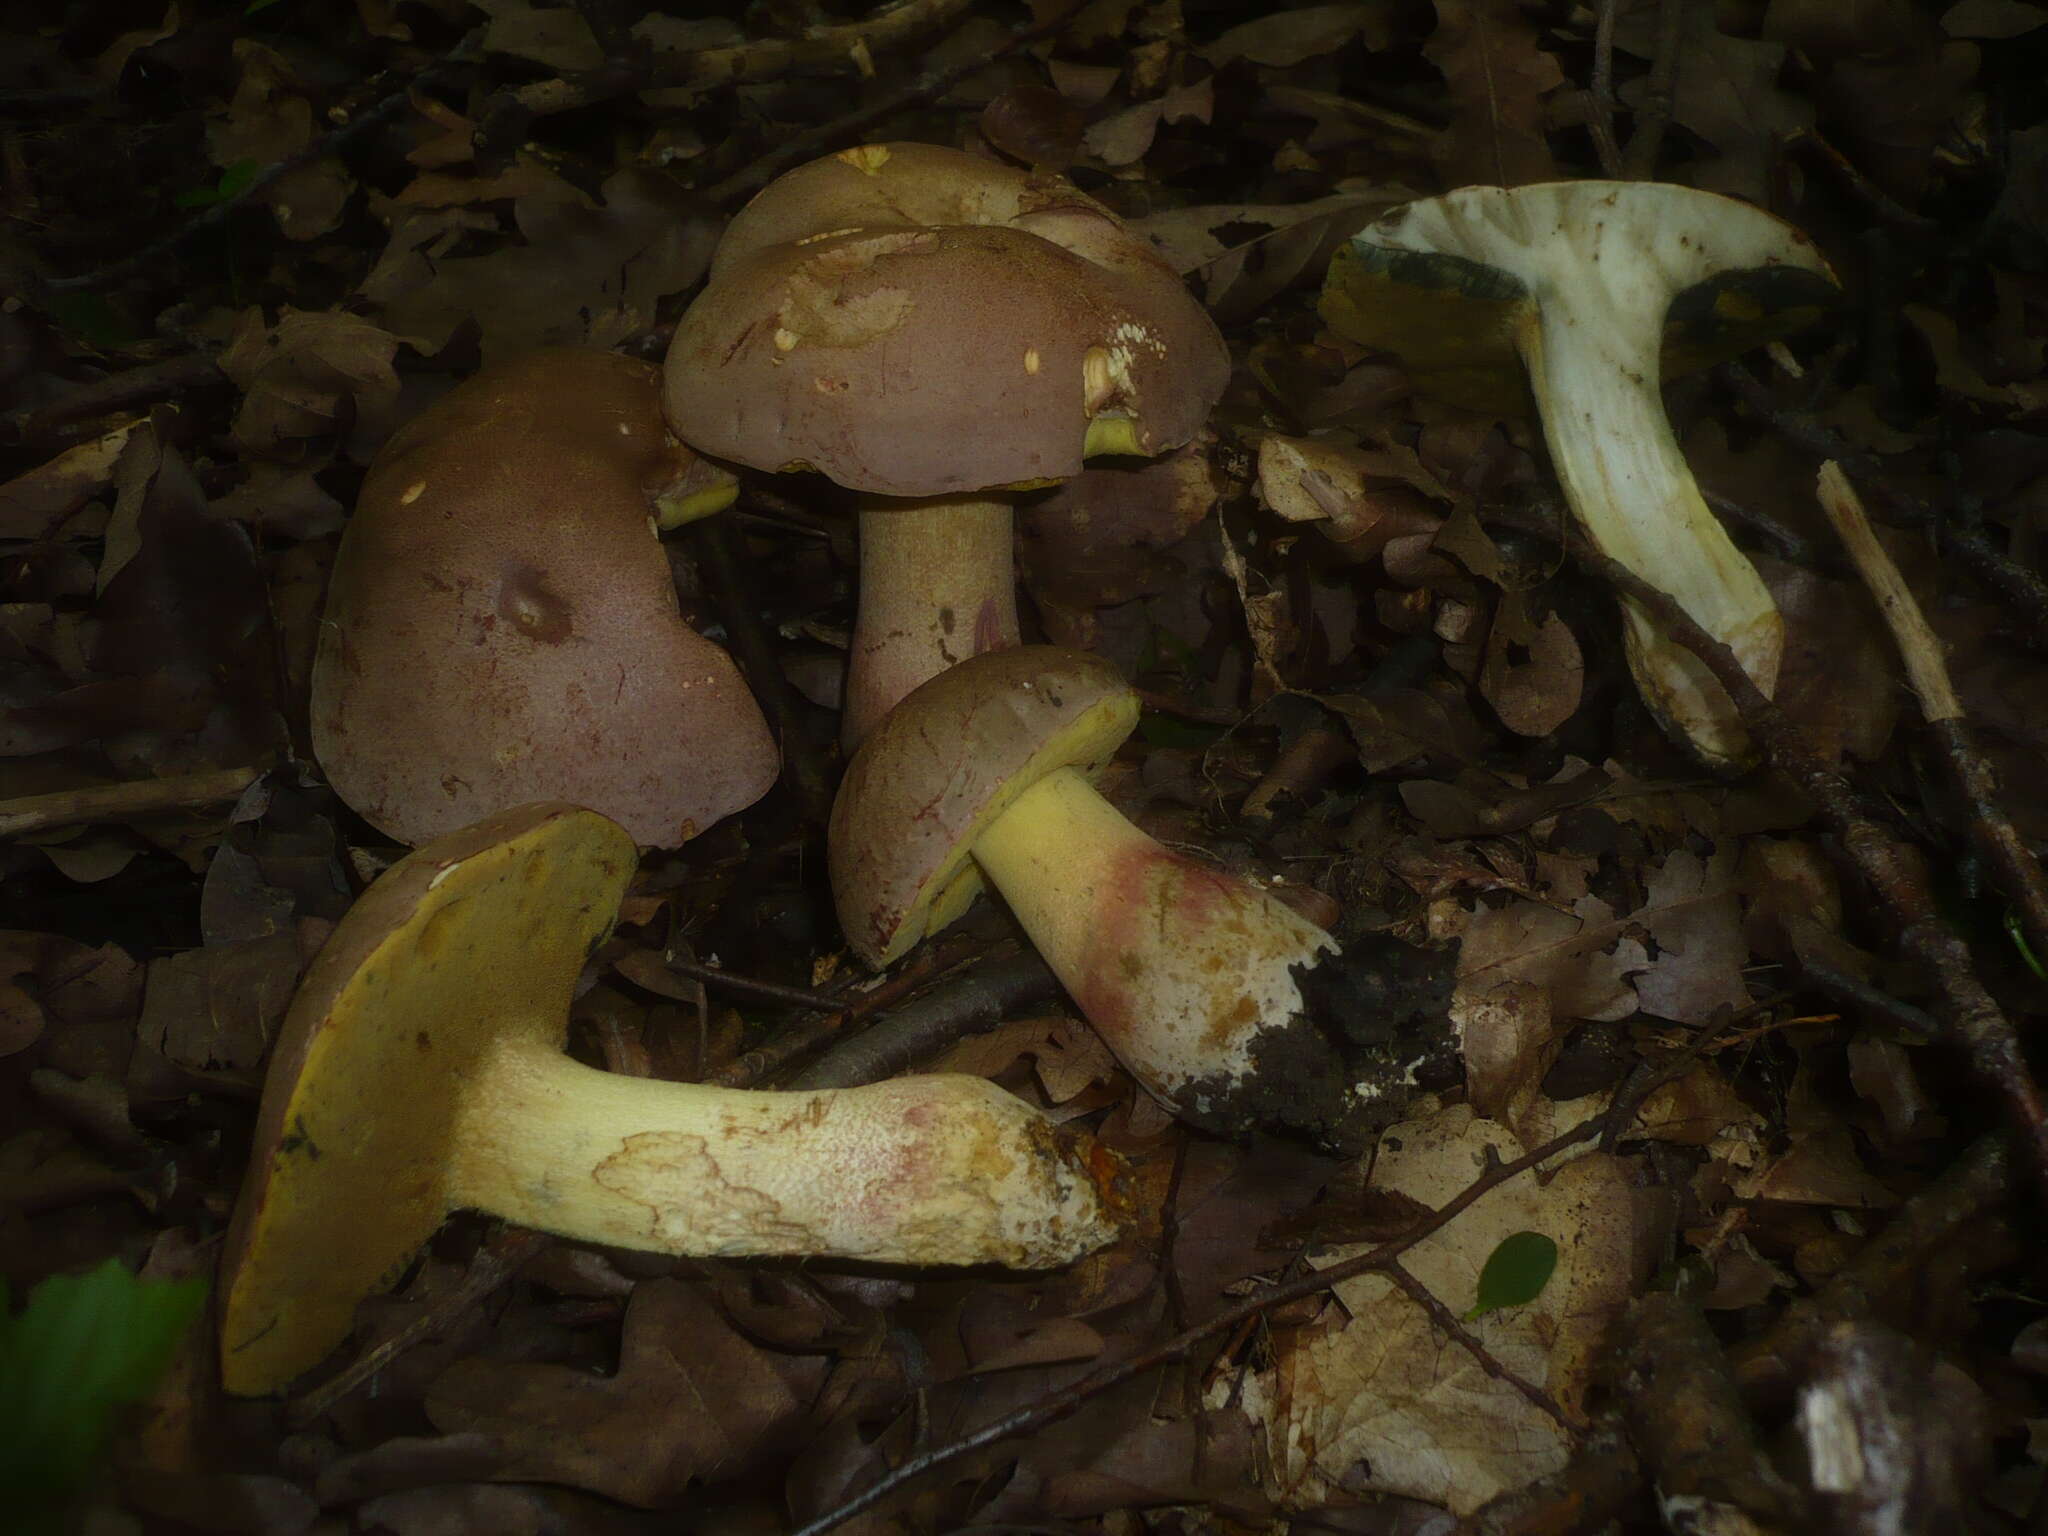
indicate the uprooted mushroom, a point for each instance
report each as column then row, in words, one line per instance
column 421, row 1070
column 1222, row 1000
column 935, row 330
column 1576, row 281
column 502, row 624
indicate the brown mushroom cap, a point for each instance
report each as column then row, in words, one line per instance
column 942, row 765
column 501, row 623
column 387, row 1029
column 914, row 321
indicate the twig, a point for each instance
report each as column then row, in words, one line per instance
column 118, row 802
column 1602, row 124
column 506, row 118
column 2024, row 591
column 1873, row 197
column 1455, row 1330
column 1056, row 1406
column 805, row 1035
column 1894, row 875
column 157, row 254
column 1997, row 839
column 1639, row 162
column 719, row 979
column 508, row 1252
column 931, row 84
column 970, row 1002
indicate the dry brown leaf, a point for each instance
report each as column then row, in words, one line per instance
column 692, row 1400
column 1534, row 673
column 1381, row 1401
column 1497, row 77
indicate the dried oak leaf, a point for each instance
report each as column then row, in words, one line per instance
column 1378, row 1399
column 1497, row 78
column 692, row 1401
column 585, row 276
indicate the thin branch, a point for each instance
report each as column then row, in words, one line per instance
column 1997, row 839
column 1895, row 875
column 1057, row 1405
column 1454, row 1329
column 2024, row 591
column 1639, row 163
column 1602, row 124
column 118, row 802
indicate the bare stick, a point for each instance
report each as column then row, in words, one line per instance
column 118, row 802
column 1602, row 125
column 1894, row 874
column 1453, row 1329
column 1640, row 162
column 1997, row 839
column 2023, row 590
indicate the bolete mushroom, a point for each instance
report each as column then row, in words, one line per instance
column 502, row 625
column 421, row 1070
column 1210, row 989
column 1576, row 281
column 934, row 330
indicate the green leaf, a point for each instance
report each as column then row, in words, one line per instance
column 232, row 181
column 2019, row 942
column 84, row 1347
column 1515, row 1273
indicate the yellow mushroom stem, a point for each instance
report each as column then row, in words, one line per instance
column 942, row 1169
column 1180, row 967
column 936, row 587
column 1594, row 369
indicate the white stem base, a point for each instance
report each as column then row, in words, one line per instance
column 1595, row 372
column 937, row 585
column 920, row 1170
column 1179, row 967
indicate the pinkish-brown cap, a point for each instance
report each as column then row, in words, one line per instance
column 944, row 763
column 916, row 321
column 502, row 626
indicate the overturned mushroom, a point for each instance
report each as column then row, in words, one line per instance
column 935, row 330
column 420, row 1071
column 1209, row 988
column 502, row 626
column 1576, row 282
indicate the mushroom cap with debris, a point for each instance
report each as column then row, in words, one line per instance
column 910, row 320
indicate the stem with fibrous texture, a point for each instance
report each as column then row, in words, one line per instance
column 1180, row 967
column 942, row 1169
column 1594, row 366
column 936, row 586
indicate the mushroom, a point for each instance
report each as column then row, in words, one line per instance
column 502, row 626
column 935, row 330
column 1208, row 987
column 1578, row 281
column 420, row 1070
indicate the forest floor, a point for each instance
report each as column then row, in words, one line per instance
column 1720, row 1212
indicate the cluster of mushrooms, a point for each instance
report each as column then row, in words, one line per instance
column 504, row 680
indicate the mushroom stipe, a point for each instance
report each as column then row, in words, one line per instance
column 421, row 1071
column 1225, row 1003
